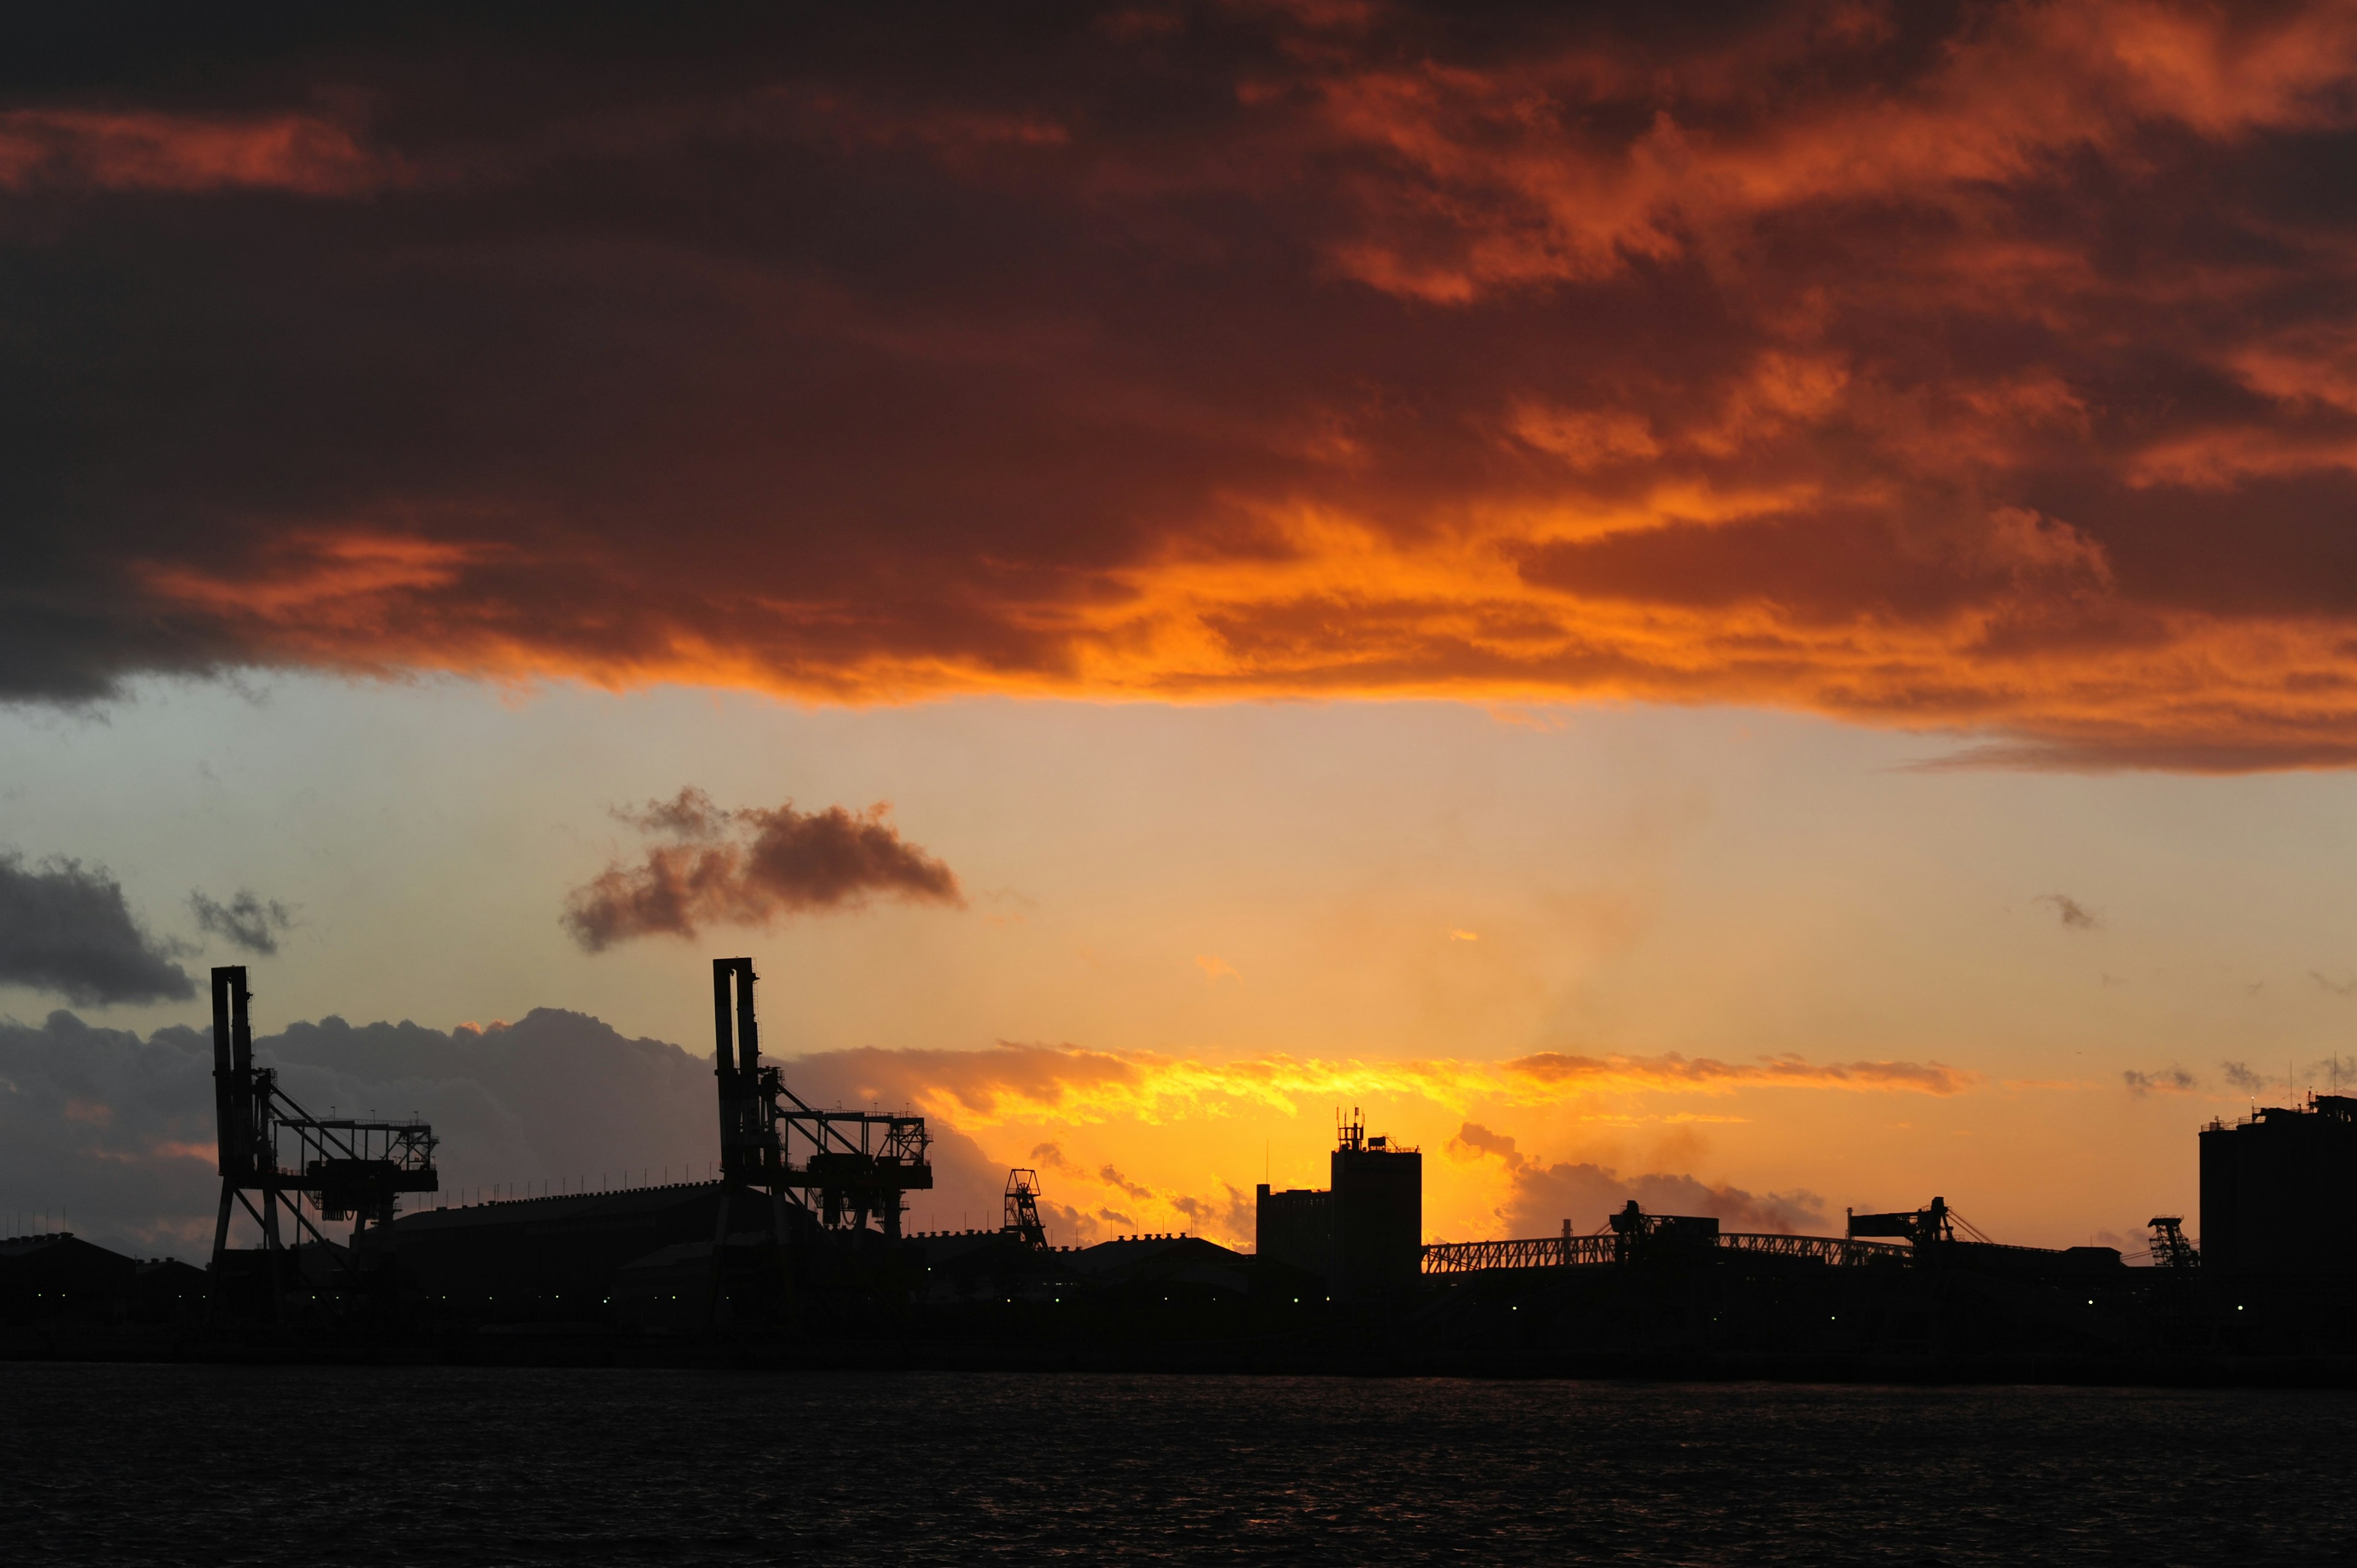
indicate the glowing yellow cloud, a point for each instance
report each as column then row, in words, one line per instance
column 1032, row 1083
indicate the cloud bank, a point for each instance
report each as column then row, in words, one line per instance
column 117, row 1132
column 1983, row 370
column 751, row 867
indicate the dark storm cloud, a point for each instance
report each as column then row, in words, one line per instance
column 67, row 930
column 1544, row 1195
column 749, row 867
column 1982, row 369
column 247, row 921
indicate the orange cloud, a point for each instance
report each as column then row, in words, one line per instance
column 1982, row 372
column 144, row 150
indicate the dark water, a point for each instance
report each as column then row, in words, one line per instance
column 108, row 1465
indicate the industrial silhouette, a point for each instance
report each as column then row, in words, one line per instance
column 798, row 1248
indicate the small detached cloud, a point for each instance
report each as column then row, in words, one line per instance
column 1672, row 1071
column 1231, row 1215
column 1215, row 968
column 2238, row 1075
column 246, row 921
column 1120, row 1183
column 749, row 866
column 67, row 930
column 2168, row 1080
column 2333, row 1074
column 2073, row 914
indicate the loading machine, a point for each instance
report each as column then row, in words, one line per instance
column 1921, row 1226
column 842, row 1169
column 345, row 1168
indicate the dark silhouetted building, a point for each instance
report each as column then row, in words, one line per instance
column 1295, row 1227
column 165, row 1290
column 2280, row 1190
column 60, row 1275
column 559, row 1255
column 1364, row 1235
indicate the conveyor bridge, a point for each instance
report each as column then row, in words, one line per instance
column 1562, row 1252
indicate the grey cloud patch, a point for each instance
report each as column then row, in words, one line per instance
column 67, row 930
column 1544, row 1196
column 1231, row 1218
column 2166, row 1080
column 1114, row 1178
column 2338, row 987
column 2072, row 914
column 2333, row 1074
column 690, row 814
column 1475, row 1138
column 247, row 921
column 1067, row 1226
column 751, row 866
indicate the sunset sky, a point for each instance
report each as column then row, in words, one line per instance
column 1750, row 607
